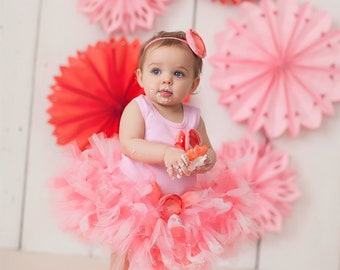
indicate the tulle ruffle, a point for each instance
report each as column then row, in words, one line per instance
column 96, row 201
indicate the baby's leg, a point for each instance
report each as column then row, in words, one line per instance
column 123, row 265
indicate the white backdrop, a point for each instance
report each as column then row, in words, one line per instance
column 37, row 36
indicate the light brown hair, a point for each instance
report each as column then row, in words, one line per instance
column 170, row 42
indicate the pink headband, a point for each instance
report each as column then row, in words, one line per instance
column 193, row 40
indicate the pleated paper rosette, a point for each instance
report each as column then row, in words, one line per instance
column 90, row 94
column 268, row 173
column 277, row 67
column 122, row 15
column 235, row 2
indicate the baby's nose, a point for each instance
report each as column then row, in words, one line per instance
column 167, row 79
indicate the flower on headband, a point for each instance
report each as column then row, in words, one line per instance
column 196, row 43
column 193, row 40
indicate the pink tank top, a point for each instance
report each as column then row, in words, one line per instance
column 160, row 130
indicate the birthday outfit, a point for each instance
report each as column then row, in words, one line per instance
column 140, row 212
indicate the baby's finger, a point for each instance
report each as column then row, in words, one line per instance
column 179, row 171
column 184, row 168
column 185, row 159
column 170, row 172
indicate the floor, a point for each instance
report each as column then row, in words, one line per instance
column 14, row 260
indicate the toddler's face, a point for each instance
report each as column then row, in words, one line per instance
column 167, row 75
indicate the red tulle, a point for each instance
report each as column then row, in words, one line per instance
column 90, row 94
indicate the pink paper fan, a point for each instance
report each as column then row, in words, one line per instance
column 269, row 175
column 235, row 2
column 278, row 67
column 122, row 15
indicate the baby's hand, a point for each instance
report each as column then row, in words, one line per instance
column 195, row 158
column 201, row 164
column 176, row 162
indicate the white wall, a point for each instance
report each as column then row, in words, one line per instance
column 37, row 36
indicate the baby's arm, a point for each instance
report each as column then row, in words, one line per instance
column 131, row 135
column 211, row 155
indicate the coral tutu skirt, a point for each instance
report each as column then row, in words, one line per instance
column 96, row 201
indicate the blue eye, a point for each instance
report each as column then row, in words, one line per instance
column 179, row 74
column 156, row 71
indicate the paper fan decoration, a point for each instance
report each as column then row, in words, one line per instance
column 122, row 15
column 90, row 94
column 229, row 1
column 278, row 67
column 269, row 175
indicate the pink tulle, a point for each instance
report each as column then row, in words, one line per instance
column 155, row 231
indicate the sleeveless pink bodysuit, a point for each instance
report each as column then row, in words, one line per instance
column 160, row 130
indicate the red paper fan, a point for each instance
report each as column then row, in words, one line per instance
column 122, row 15
column 92, row 91
column 269, row 175
column 278, row 67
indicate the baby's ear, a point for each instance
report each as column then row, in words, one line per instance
column 195, row 84
column 139, row 77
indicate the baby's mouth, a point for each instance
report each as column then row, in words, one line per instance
column 164, row 92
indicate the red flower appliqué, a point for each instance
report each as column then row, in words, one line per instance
column 170, row 204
